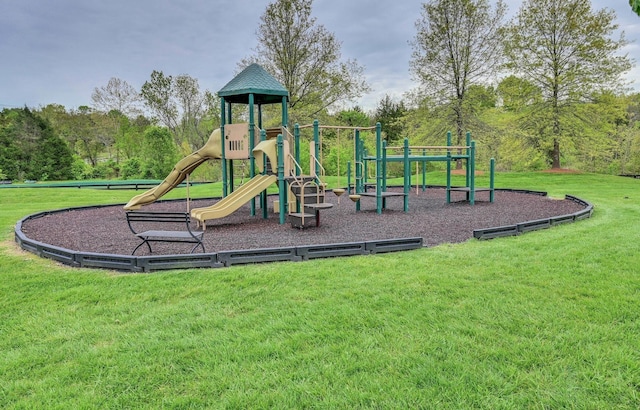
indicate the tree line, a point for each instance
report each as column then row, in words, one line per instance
column 544, row 89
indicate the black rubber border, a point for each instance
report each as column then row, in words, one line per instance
column 523, row 227
column 262, row 255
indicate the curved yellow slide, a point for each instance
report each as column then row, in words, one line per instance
column 229, row 204
column 211, row 150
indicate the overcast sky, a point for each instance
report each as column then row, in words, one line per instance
column 59, row 51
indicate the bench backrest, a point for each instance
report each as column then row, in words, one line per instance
column 158, row 217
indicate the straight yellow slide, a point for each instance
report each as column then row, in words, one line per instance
column 229, row 204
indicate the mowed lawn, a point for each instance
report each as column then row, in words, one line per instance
column 550, row 319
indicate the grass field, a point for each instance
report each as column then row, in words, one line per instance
column 546, row 320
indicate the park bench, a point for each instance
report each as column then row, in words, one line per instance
column 139, row 221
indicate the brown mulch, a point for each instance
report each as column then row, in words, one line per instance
column 105, row 230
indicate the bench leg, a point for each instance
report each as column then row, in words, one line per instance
column 143, row 242
column 200, row 244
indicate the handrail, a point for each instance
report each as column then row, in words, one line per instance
column 433, row 147
column 322, row 170
column 295, row 166
column 338, row 127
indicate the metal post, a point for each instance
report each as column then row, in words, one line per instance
column 223, row 107
column 492, row 170
column 282, row 188
column 448, row 174
column 349, row 179
column 424, row 170
column 263, row 195
column 359, row 186
column 378, row 168
column 470, row 165
column 407, row 175
column 472, row 174
column 230, row 161
column 252, row 144
column 296, row 142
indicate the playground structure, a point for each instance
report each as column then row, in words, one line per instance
column 274, row 158
column 269, row 156
column 422, row 155
column 405, row 154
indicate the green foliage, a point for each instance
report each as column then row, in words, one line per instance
column 337, row 154
column 179, row 105
column 160, row 153
column 635, row 6
column 353, row 118
column 80, row 169
column 567, row 50
column 390, row 116
column 131, row 169
column 457, row 45
column 31, row 149
column 517, row 93
column 305, row 58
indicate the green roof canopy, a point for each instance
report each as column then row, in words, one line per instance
column 254, row 80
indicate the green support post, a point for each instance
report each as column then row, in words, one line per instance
column 230, row 162
column 296, row 135
column 223, row 107
column 285, row 112
column 282, row 188
column 492, row 170
column 470, row 159
column 357, row 167
column 252, row 143
column 349, row 178
column 407, row 175
column 263, row 195
column 449, row 175
column 378, row 168
column 365, row 165
column 358, row 186
column 424, row 171
column 384, row 175
column 316, row 140
column 472, row 174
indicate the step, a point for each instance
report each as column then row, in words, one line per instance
column 311, row 199
column 309, row 189
column 296, row 219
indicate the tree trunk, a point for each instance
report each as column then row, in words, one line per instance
column 556, row 154
column 459, row 128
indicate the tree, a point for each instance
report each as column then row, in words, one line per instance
column 179, row 105
column 31, row 149
column 354, row 117
column 457, row 45
column 389, row 114
column 565, row 49
column 159, row 153
column 117, row 95
column 635, row 6
column 305, row 58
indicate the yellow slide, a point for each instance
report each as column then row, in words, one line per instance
column 235, row 200
column 211, row 150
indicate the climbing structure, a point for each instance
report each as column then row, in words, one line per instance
column 268, row 152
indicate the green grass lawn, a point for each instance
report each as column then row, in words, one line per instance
column 549, row 319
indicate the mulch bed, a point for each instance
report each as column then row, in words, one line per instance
column 105, row 230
